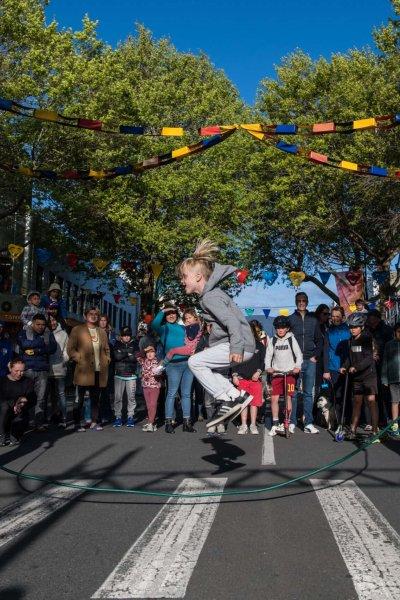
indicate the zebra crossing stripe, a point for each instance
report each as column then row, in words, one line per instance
column 268, row 454
column 369, row 545
column 161, row 561
column 19, row 516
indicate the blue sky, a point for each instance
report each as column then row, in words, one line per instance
column 245, row 39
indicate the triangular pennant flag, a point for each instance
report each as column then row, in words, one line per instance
column 100, row 264
column 241, row 275
column 324, row 277
column 117, row 298
column 15, row 251
column 284, row 312
column 43, row 255
column 297, row 277
column 266, row 312
column 249, row 311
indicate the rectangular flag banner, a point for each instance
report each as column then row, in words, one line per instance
column 350, row 287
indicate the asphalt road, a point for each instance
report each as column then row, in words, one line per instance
column 295, row 543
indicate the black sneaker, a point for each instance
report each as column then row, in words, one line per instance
column 230, row 409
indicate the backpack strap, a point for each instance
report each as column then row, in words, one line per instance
column 291, row 347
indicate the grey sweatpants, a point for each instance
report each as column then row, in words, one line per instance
column 203, row 366
column 121, row 385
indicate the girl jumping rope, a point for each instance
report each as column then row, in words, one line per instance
column 231, row 339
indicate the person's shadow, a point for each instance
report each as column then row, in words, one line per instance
column 224, row 456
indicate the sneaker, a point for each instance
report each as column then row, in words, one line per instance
column 242, row 430
column 292, row 428
column 221, row 428
column 130, row 422
column 149, row 427
column 200, row 418
column 254, row 429
column 96, row 427
column 62, row 425
column 159, row 370
column 80, row 429
column 276, row 429
column 310, row 429
column 228, row 409
column 394, row 432
column 368, row 428
column 212, row 430
column 6, row 441
column 41, row 428
column 117, row 422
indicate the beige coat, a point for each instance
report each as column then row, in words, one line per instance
column 80, row 349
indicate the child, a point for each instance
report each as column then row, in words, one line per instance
column 53, row 304
column 192, row 336
column 391, row 376
column 247, row 376
column 231, row 339
column 150, row 384
column 31, row 309
column 283, row 355
column 125, row 357
column 360, row 364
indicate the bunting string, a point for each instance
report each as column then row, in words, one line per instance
column 382, row 122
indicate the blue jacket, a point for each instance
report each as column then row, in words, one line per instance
column 336, row 347
column 308, row 334
column 171, row 335
column 6, row 353
column 34, row 349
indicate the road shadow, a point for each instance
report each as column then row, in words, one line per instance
column 225, row 454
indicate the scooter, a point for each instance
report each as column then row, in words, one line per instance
column 287, row 412
column 340, row 433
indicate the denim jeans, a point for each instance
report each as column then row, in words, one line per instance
column 57, row 389
column 178, row 375
column 39, row 379
column 307, row 380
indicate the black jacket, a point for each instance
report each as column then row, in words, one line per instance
column 307, row 333
column 125, row 358
column 361, row 357
column 246, row 369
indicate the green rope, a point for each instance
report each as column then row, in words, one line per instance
column 229, row 492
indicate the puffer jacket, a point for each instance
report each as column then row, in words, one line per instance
column 391, row 363
column 35, row 349
column 125, row 358
column 58, row 361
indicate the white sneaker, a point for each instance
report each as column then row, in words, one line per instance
column 276, row 429
column 211, row 429
column 310, row 429
column 221, row 428
column 149, row 427
column 242, row 430
column 254, row 429
column 292, row 428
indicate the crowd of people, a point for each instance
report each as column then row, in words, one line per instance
column 190, row 368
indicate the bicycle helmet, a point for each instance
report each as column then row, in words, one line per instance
column 282, row 321
column 356, row 319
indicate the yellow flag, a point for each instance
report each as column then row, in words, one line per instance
column 284, row 312
column 297, row 277
column 15, row 251
column 352, row 308
column 156, row 268
column 100, row 264
column 133, row 301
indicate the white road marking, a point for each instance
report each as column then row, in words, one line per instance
column 161, row 561
column 369, row 545
column 30, row 510
column 268, row 454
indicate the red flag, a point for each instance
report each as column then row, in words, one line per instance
column 72, row 260
column 241, row 275
column 117, row 298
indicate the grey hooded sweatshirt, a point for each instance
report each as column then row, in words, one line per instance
column 228, row 322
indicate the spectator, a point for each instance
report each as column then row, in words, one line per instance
column 88, row 348
column 391, row 376
column 107, row 393
column 178, row 373
column 150, row 384
column 58, row 370
column 31, row 309
column 259, row 331
column 283, row 356
column 125, row 351
column 53, row 303
column 360, row 365
column 322, row 315
column 36, row 344
column 247, row 376
column 336, row 349
column 6, row 351
column 307, row 332
column 361, row 306
column 381, row 334
column 17, row 396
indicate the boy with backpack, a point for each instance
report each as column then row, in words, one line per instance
column 283, row 355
